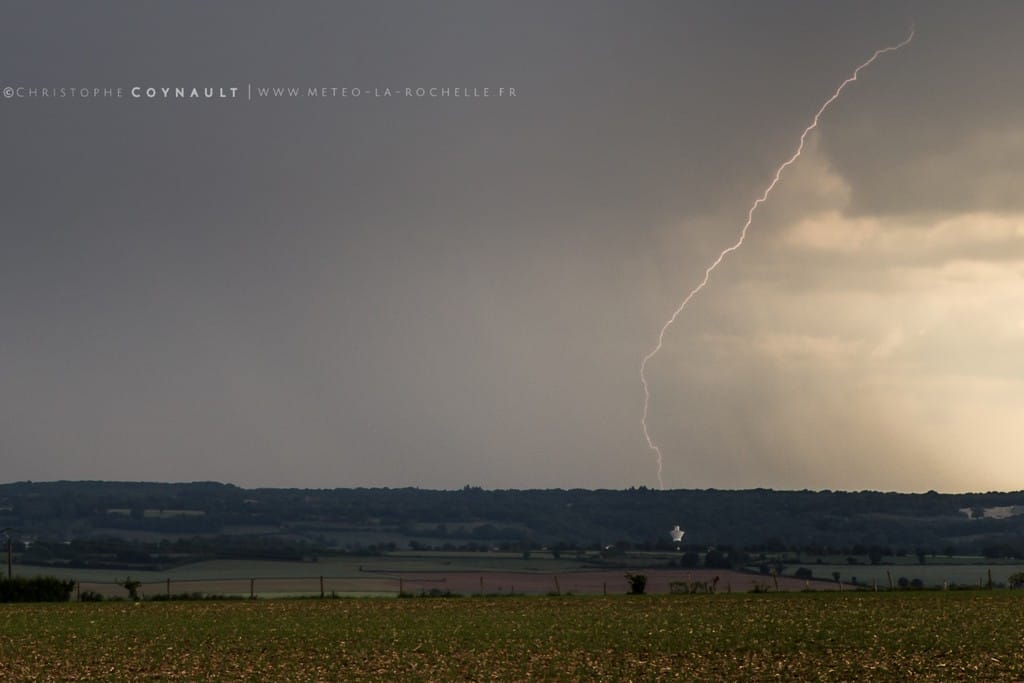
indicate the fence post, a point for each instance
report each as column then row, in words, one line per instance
column 558, row 589
column 252, row 589
column 481, row 584
column 321, row 587
column 168, row 589
column 401, row 586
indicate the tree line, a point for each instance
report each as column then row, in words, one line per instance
column 60, row 519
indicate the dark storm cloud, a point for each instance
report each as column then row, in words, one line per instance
column 939, row 129
column 439, row 291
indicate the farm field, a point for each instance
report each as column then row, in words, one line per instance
column 347, row 566
column 460, row 583
column 501, row 573
column 938, row 636
column 464, row 574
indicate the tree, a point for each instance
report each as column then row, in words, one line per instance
column 132, row 586
column 637, row 583
column 1017, row 580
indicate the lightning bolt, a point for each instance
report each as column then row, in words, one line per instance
column 739, row 242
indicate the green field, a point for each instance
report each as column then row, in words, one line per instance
column 928, row 635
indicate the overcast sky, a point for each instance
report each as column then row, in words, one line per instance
column 438, row 291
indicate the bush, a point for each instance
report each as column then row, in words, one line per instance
column 35, row 589
column 90, row 596
column 432, row 593
column 196, row 595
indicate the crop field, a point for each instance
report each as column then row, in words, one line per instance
column 463, row 573
column 262, row 583
column 925, row 635
column 505, row 573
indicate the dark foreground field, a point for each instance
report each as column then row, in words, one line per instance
column 939, row 636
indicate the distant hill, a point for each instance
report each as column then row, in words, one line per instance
column 162, row 523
